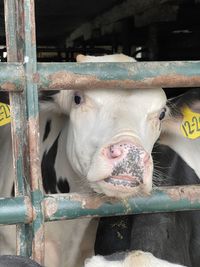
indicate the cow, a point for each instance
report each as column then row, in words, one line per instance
column 99, row 141
column 170, row 236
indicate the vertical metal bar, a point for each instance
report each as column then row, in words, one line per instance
column 15, row 50
column 21, row 45
column 33, row 130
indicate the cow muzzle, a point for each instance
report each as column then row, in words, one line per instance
column 131, row 170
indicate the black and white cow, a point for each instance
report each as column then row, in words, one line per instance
column 104, row 139
column 174, row 236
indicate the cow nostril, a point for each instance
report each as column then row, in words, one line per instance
column 115, row 152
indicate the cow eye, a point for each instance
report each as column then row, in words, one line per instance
column 162, row 114
column 77, row 98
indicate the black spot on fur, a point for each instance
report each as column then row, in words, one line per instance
column 13, row 190
column 63, row 185
column 48, row 168
column 47, row 130
column 113, row 235
column 50, row 181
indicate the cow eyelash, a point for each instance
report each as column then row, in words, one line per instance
column 162, row 114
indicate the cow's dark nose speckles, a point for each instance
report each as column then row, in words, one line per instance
column 127, row 160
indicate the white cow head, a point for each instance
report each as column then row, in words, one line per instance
column 110, row 134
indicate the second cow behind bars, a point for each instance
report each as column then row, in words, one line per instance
column 101, row 141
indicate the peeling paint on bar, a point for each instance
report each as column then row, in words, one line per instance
column 69, row 76
column 38, row 240
column 72, row 206
column 15, row 49
column 163, row 199
column 33, row 125
column 118, row 75
column 21, row 46
column 30, row 66
column 11, row 77
column 191, row 193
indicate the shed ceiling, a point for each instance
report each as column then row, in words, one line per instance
column 55, row 19
column 169, row 28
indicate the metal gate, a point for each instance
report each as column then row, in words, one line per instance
column 23, row 77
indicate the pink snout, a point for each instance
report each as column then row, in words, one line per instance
column 129, row 161
column 120, row 150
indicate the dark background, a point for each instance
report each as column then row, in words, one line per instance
column 161, row 29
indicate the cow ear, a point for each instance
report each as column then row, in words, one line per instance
column 81, row 58
column 181, row 128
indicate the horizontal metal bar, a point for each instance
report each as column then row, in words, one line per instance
column 11, row 77
column 164, row 199
column 59, row 76
column 118, row 75
column 15, row 210
column 72, row 206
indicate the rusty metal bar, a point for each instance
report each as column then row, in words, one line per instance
column 72, row 206
column 163, row 199
column 69, row 76
column 118, row 75
column 15, row 51
column 11, row 74
column 30, row 66
column 20, row 28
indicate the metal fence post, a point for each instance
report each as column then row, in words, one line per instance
column 21, row 47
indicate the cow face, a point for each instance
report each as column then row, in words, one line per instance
column 110, row 138
column 111, row 134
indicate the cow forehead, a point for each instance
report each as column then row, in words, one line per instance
column 150, row 99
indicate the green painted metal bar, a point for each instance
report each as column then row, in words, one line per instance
column 118, row 75
column 163, row 199
column 72, row 206
column 58, row 76
column 15, row 210
column 15, row 52
column 30, row 66
column 11, row 75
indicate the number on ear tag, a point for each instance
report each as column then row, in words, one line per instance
column 190, row 125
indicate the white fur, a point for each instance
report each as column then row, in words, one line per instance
column 105, row 58
column 134, row 259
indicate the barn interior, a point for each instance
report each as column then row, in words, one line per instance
column 148, row 30
column 145, row 29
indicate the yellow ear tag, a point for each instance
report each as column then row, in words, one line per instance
column 4, row 114
column 190, row 125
